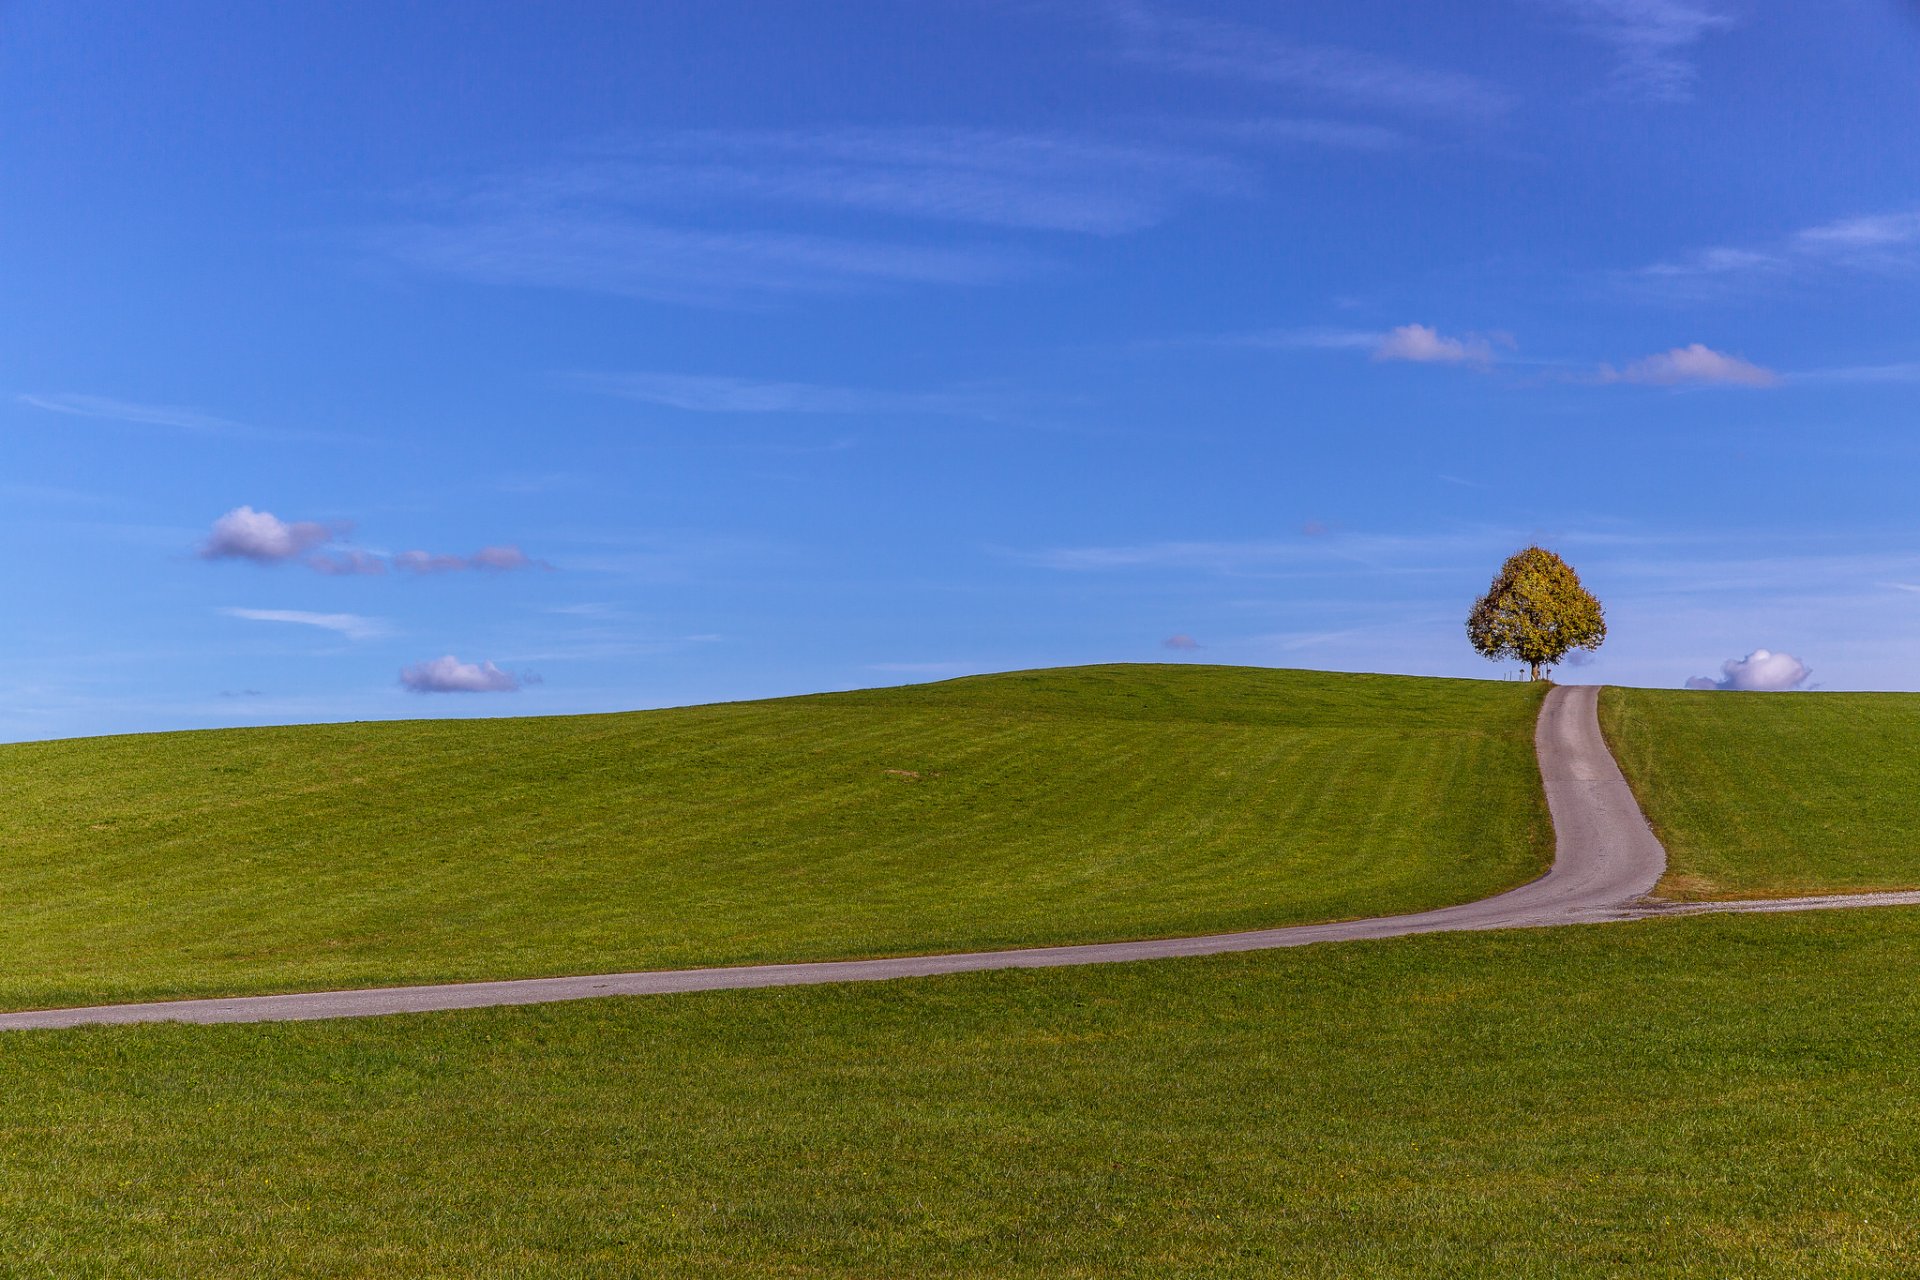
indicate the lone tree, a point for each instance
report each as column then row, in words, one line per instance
column 1535, row 611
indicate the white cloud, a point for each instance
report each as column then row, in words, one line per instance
column 694, row 216
column 174, row 417
column 155, row 415
column 1423, row 345
column 262, row 537
column 1182, row 643
column 704, row 393
column 502, row 559
column 1651, row 39
column 1694, row 365
column 993, row 178
column 350, row 625
column 1343, row 135
column 1850, row 235
column 450, row 675
column 347, row 564
column 1349, row 76
column 1761, row 670
column 1879, row 243
column 606, row 253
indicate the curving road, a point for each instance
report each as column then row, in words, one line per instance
column 1606, row 860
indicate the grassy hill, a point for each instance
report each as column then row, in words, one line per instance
column 1770, row 795
column 1729, row 1097
column 1037, row 807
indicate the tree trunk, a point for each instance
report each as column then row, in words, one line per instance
column 1536, row 671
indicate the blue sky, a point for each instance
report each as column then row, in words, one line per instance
column 460, row 359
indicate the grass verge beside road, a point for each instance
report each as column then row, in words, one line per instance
column 1774, row 795
column 1039, row 807
column 1725, row 1096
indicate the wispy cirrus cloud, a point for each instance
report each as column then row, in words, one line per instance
column 980, row 177
column 1878, row 243
column 1351, row 77
column 167, row 417
column 501, row 559
column 598, row 252
column 705, row 393
column 1652, row 41
column 1410, row 343
column 704, row 216
column 351, row 625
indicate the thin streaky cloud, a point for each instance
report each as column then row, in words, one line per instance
column 602, row 253
column 351, row 625
column 704, row 393
column 1353, row 77
column 1652, row 41
column 174, row 417
column 1877, row 243
column 1866, row 233
column 1295, row 131
column 691, row 217
column 1282, row 339
column 988, row 178
column 1900, row 372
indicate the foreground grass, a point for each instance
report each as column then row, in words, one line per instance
column 1765, row 795
column 1054, row 806
column 1699, row 1097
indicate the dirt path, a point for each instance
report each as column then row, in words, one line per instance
column 1606, row 860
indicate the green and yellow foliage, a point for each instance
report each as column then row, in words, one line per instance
column 1535, row 612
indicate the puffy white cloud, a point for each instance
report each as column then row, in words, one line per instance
column 450, row 675
column 262, row 537
column 1424, row 345
column 1695, row 364
column 350, row 625
column 1760, row 671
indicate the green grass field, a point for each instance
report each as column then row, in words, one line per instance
column 1771, row 795
column 1704, row 1097
column 1041, row 807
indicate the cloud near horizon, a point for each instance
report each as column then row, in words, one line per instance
column 1760, row 671
column 1693, row 365
column 448, row 674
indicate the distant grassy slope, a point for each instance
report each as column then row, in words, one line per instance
column 1769, row 795
column 1051, row 806
column 1703, row 1097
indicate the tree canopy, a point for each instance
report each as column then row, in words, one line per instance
column 1535, row 612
